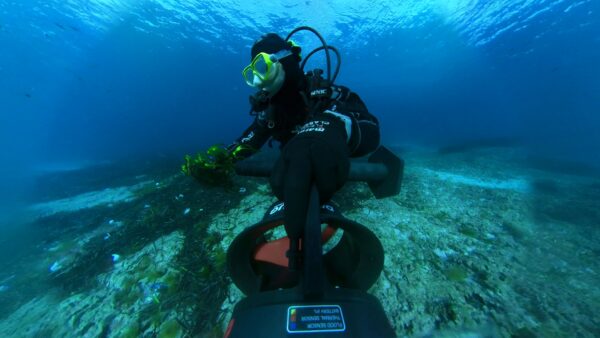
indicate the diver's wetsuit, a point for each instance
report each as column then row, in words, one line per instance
column 365, row 127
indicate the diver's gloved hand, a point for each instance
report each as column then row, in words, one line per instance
column 318, row 153
column 214, row 167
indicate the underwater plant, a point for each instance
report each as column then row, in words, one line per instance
column 456, row 273
column 468, row 231
column 170, row 329
column 215, row 166
column 131, row 331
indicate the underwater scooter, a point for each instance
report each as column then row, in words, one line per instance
column 327, row 296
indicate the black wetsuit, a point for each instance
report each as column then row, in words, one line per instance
column 284, row 123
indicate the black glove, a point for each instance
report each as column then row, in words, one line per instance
column 319, row 154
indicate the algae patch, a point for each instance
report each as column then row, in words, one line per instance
column 456, row 273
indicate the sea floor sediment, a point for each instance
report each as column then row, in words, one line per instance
column 479, row 243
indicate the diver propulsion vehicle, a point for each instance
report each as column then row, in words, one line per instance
column 327, row 296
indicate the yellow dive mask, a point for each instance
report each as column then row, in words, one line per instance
column 262, row 67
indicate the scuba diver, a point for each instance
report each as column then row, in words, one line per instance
column 320, row 126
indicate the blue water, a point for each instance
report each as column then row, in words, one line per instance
column 101, row 80
column 89, row 80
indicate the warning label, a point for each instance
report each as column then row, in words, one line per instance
column 315, row 318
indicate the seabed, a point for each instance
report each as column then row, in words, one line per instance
column 482, row 242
